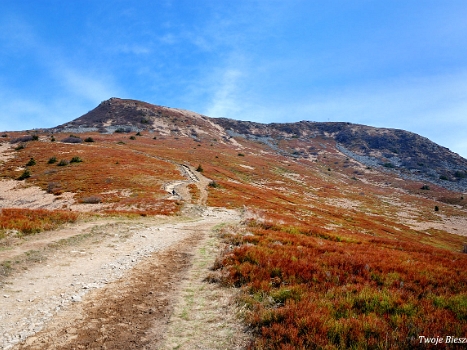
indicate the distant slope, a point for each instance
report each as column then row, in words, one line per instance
column 408, row 154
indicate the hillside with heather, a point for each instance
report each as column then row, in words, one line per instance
column 348, row 236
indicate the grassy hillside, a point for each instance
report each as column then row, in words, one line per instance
column 332, row 253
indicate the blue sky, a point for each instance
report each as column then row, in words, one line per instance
column 397, row 64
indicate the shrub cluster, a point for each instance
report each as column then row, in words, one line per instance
column 25, row 175
column 25, row 138
column 91, row 200
column 214, row 184
column 63, row 162
column 72, row 139
column 31, row 162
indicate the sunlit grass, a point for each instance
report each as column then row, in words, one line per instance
column 30, row 221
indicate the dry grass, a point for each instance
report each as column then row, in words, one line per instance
column 309, row 288
column 105, row 170
column 194, row 193
column 30, row 221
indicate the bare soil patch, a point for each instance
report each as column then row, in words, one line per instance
column 14, row 194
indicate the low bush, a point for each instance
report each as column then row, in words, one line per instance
column 91, row 200
column 25, row 138
column 307, row 289
column 214, row 184
column 54, row 188
column 89, row 139
column 63, row 162
column 52, row 160
column 31, row 162
column 76, row 160
column 26, row 174
column 72, row 139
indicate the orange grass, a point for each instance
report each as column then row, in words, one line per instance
column 306, row 288
column 30, row 221
column 194, row 192
column 108, row 170
column 316, row 272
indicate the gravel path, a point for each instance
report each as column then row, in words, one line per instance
column 30, row 300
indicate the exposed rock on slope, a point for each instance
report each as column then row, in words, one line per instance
column 404, row 152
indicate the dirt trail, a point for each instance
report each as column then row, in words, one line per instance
column 113, row 289
column 179, row 190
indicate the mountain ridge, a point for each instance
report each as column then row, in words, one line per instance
column 405, row 153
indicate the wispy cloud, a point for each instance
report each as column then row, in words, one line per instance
column 81, row 84
column 20, row 113
column 225, row 101
column 75, row 87
column 134, row 49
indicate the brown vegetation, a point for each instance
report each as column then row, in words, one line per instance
column 29, row 221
